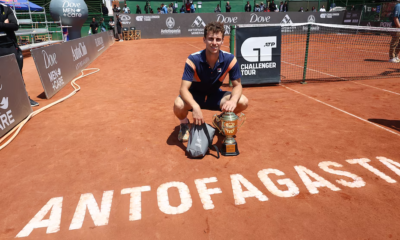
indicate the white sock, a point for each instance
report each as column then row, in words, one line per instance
column 185, row 120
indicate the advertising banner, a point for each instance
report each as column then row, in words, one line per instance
column 192, row 25
column 258, row 51
column 58, row 64
column 376, row 24
column 72, row 13
column 352, row 17
column 14, row 102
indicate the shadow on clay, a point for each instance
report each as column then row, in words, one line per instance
column 393, row 124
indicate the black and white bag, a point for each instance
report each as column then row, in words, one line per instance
column 200, row 140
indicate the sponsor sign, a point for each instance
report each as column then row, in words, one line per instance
column 183, row 25
column 72, row 13
column 171, row 30
column 197, row 27
column 125, row 19
column 376, row 24
column 14, row 102
column 59, row 64
column 259, row 54
column 352, row 18
column 257, row 18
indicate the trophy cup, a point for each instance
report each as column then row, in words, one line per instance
column 227, row 125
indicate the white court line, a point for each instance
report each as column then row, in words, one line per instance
column 362, row 119
column 377, row 88
column 349, row 49
column 343, row 78
column 193, row 46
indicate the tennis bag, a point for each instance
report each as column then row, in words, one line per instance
column 200, row 140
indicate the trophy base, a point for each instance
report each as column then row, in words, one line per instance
column 230, row 149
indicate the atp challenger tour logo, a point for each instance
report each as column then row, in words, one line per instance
column 6, row 117
column 257, row 50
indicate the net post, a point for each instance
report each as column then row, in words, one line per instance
column 232, row 44
column 306, row 55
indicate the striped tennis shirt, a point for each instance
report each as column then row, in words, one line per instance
column 206, row 79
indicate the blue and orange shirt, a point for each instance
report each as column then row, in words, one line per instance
column 395, row 13
column 206, row 80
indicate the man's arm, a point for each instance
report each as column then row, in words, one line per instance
column 230, row 105
column 11, row 23
column 187, row 97
column 396, row 22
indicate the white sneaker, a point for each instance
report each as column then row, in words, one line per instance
column 394, row 60
column 121, row 40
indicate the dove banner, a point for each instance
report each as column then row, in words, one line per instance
column 58, row 64
column 192, row 25
column 14, row 102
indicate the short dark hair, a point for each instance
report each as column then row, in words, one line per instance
column 214, row 27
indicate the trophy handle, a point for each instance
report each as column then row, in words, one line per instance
column 242, row 116
column 219, row 119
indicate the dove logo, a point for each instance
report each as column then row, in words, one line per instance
column 5, row 118
column 49, row 60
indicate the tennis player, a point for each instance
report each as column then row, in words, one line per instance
column 394, row 49
column 204, row 73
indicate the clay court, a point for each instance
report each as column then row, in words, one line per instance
column 119, row 133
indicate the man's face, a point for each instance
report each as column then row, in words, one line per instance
column 247, row 2
column 94, row 19
column 213, row 42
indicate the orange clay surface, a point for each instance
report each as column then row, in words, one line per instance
column 120, row 132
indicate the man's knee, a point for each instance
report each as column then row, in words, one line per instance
column 180, row 107
column 243, row 102
column 179, row 104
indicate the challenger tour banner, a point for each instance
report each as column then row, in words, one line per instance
column 192, row 25
column 258, row 51
column 58, row 64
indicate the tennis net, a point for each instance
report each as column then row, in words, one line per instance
column 327, row 52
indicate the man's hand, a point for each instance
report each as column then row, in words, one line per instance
column 7, row 21
column 229, row 106
column 197, row 116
